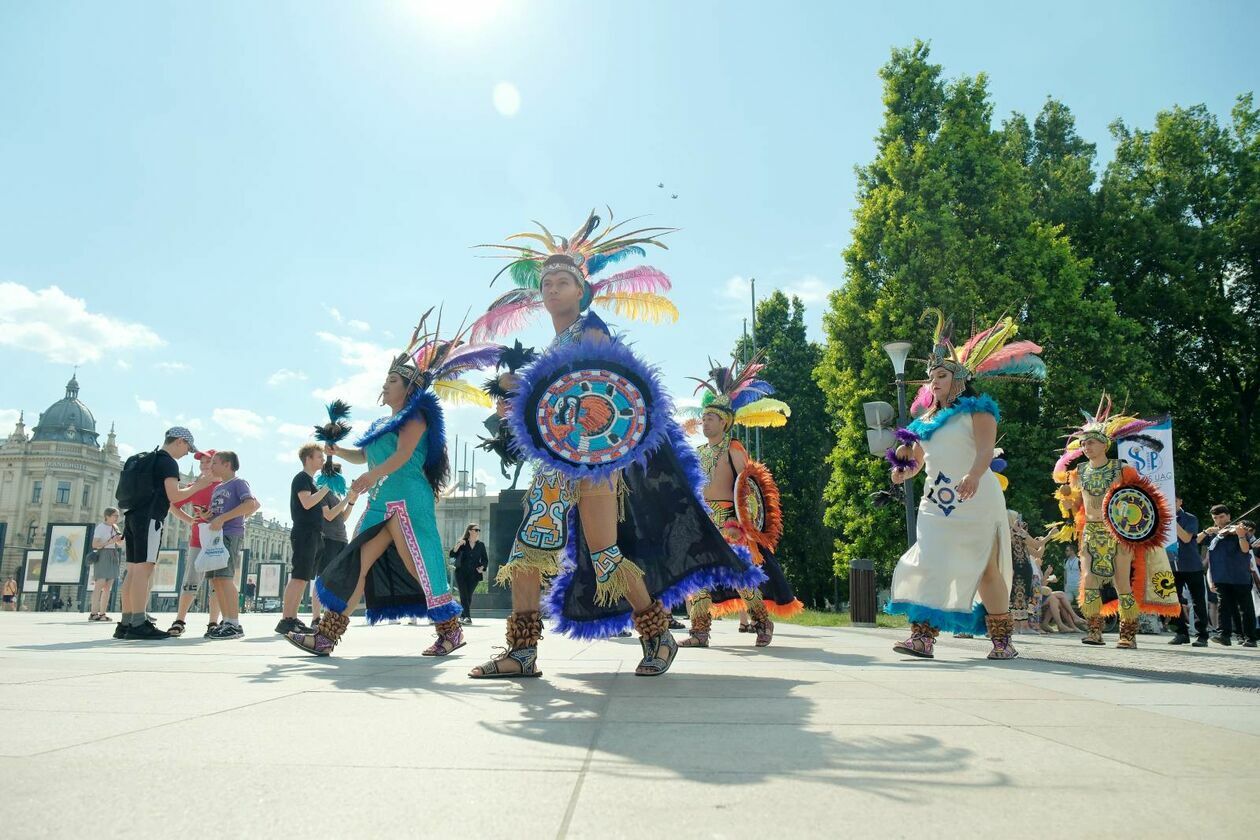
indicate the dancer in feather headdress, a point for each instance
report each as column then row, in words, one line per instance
column 615, row 486
column 963, row 538
column 1122, row 523
column 396, row 560
column 742, row 497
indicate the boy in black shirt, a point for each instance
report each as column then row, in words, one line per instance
column 142, row 531
column 307, row 512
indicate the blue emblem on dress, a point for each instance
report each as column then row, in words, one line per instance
column 942, row 494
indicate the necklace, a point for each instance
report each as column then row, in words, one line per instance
column 1096, row 481
column 711, row 453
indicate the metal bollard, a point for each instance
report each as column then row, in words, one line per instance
column 862, row 592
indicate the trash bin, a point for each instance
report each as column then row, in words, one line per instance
column 862, row 592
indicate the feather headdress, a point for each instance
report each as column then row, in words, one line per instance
column 989, row 354
column 432, row 362
column 637, row 293
column 736, row 395
column 1109, row 427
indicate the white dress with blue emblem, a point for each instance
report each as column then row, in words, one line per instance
column 936, row 579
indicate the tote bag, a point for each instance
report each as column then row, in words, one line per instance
column 214, row 552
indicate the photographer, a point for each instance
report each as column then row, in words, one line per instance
column 470, row 565
column 1229, row 575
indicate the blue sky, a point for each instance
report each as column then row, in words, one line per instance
column 226, row 213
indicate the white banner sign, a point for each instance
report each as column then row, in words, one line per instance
column 1156, row 466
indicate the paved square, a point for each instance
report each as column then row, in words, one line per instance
column 825, row 733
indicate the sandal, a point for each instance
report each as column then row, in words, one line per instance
column 526, row 658
column 659, row 647
column 316, row 643
column 745, row 627
column 450, row 638
column 210, row 628
column 177, row 629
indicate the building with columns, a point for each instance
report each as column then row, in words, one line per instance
column 58, row 472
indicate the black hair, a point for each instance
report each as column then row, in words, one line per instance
column 1220, row 509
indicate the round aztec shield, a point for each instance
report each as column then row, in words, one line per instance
column 1135, row 516
column 757, row 504
column 589, row 415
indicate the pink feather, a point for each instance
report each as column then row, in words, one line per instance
column 506, row 316
column 1008, row 355
column 922, row 400
column 1068, row 456
column 642, row 279
column 965, row 352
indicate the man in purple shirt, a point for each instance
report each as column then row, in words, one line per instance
column 231, row 504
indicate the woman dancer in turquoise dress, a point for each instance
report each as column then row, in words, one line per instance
column 396, row 560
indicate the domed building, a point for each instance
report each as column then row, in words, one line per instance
column 57, row 473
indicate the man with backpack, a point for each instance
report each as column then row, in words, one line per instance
column 147, row 488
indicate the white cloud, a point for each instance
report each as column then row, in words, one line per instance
column 295, row 432
column 370, row 363
column 811, row 289
column 284, row 375
column 60, row 327
column 8, row 419
column 172, row 367
column 126, row 450
column 122, row 364
column 335, row 313
column 147, row 406
column 239, row 421
column 361, row 326
column 737, row 292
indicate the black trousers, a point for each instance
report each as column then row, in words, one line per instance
column 1236, row 597
column 466, row 584
column 1196, row 583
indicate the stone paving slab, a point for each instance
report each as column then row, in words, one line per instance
column 826, row 732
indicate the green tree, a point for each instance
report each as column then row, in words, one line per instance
column 1179, row 247
column 948, row 215
column 797, row 453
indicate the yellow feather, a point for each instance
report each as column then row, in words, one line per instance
column 640, row 306
column 457, row 392
column 1003, row 332
column 766, row 411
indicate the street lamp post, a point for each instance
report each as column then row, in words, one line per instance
column 897, row 352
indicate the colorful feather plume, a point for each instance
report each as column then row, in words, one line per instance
column 736, row 390
column 337, row 428
column 637, row 293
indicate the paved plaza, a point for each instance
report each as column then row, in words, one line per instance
column 825, row 734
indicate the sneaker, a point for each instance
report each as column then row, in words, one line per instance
column 120, row 632
column 292, row 625
column 146, row 631
column 675, row 624
column 1221, row 640
column 1249, row 643
column 1179, row 640
column 466, row 621
column 227, row 631
column 1199, row 642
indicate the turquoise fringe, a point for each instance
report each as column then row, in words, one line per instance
column 953, row 621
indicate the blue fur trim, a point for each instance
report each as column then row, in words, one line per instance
column 436, row 615
column 327, row 598
column 720, row 578
column 963, row 405
column 422, row 403
column 582, row 352
column 713, row 578
column 953, row 621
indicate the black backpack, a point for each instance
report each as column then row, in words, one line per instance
column 135, row 485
